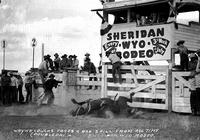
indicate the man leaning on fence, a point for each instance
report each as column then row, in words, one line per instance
column 116, row 65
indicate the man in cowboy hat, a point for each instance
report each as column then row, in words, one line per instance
column 183, row 51
column 87, row 55
column 63, row 62
column 44, row 69
column 50, row 62
column 56, row 61
column 75, row 62
column 116, row 65
column 28, row 86
column 48, row 92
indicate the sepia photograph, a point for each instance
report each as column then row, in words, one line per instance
column 100, row 70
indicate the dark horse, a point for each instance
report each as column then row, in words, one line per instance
column 102, row 104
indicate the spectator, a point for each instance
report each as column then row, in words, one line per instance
column 28, row 86
column 50, row 62
column 48, row 86
column 193, row 95
column 5, row 83
column 193, row 61
column 56, row 62
column 197, row 83
column 91, row 69
column 44, row 69
column 75, row 62
column 19, row 89
column 116, row 64
column 63, row 62
column 13, row 88
column 87, row 55
column 70, row 61
column 183, row 51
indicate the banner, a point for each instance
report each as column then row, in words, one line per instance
column 144, row 43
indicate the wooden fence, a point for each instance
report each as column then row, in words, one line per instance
column 181, row 92
column 151, row 90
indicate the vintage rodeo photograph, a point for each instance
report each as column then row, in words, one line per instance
column 99, row 70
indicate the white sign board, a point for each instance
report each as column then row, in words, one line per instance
column 139, row 43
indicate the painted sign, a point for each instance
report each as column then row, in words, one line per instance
column 139, row 43
column 33, row 42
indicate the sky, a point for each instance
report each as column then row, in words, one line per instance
column 64, row 26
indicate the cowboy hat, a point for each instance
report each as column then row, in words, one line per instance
column 87, row 54
column 56, row 54
column 51, row 75
column 64, row 56
column 27, row 73
column 180, row 42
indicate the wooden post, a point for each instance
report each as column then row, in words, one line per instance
column 199, row 16
column 104, row 80
column 169, row 83
column 169, row 90
column 105, row 16
column 128, row 15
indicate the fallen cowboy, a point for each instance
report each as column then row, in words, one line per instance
column 102, row 105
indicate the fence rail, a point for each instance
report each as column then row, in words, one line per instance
column 151, row 90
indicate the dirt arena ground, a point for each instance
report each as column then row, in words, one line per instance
column 53, row 123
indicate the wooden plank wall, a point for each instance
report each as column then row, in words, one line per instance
column 189, row 33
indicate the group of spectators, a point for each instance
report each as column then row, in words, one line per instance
column 61, row 63
column 11, row 88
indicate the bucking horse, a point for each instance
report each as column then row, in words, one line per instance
column 101, row 105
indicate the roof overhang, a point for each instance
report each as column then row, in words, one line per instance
column 186, row 5
column 113, row 6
